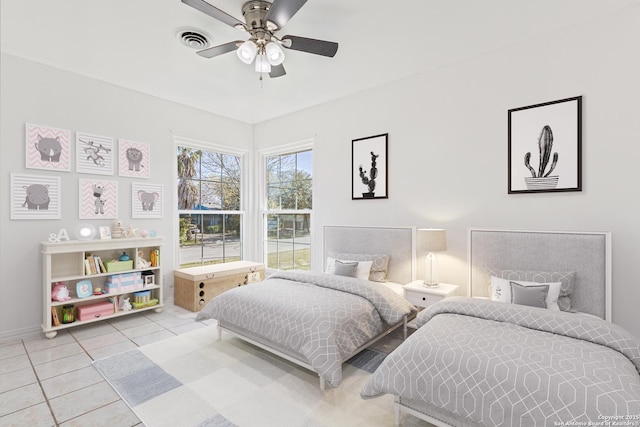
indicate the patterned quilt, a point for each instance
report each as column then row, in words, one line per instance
column 323, row 318
column 487, row 363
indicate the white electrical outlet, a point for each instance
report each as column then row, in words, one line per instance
column 253, row 277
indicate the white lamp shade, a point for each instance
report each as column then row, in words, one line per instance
column 432, row 240
column 275, row 54
column 262, row 64
column 247, row 51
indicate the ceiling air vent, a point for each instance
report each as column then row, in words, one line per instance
column 193, row 38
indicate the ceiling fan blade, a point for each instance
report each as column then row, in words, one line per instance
column 277, row 71
column 281, row 11
column 214, row 12
column 317, row 47
column 219, row 50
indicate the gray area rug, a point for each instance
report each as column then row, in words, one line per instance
column 194, row 380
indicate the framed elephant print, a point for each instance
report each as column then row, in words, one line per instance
column 146, row 200
column 98, row 199
column 35, row 197
column 47, row 148
column 134, row 159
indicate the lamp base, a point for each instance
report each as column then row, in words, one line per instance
column 430, row 285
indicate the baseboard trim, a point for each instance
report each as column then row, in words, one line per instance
column 32, row 331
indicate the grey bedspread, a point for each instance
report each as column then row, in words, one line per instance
column 320, row 317
column 484, row 363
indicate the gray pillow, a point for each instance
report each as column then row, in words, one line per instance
column 533, row 296
column 348, row 269
column 566, row 279
column 379, row 265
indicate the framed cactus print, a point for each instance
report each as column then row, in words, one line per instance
column 369, row 177
column 545, row 147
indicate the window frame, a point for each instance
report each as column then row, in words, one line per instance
column 264, row 212
column 243, row 154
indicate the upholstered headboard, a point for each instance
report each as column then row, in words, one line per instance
column 398, row 242
column 588, row 254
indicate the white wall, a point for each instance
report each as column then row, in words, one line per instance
column 447, row 151
column 448, row 147
column 43, row 95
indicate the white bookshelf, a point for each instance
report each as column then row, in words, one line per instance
column 64, row 262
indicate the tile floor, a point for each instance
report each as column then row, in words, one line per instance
column 52, row 382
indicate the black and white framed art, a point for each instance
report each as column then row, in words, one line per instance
column 545, row 147
column 369, row 169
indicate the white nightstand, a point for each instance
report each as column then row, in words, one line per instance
column 419, row 295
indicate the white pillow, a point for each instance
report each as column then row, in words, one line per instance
column 501, row 291
column 364, row 267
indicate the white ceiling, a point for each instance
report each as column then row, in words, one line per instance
column 131, row 43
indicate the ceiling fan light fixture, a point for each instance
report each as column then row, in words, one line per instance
column 262, row 64
column 275, row 54
column 247, row 51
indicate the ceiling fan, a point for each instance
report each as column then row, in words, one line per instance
column 262, row 20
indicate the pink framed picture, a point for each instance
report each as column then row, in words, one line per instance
column 98, row 199
column 47, row 148
column 134, row 159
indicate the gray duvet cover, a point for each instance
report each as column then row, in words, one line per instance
column 320, row 318
column 482, row 363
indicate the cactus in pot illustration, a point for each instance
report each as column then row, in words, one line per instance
column 370, row 181
column 542, row 179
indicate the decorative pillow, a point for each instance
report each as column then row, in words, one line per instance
column 363, row 269
column 349, row 269
column 566, row 279
column 533, row 296
column 379, row 266
column 501, row 291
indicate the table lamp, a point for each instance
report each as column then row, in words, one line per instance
column 431, row 240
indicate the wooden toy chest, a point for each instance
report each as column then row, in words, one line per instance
column 194, row 287
column 94, row 311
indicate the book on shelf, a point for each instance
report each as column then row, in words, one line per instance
column 103, row 269
column 54, row 317
column 114, row 300
column 154, row 257
column 93, row 265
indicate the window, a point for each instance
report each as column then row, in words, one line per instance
column 287, row 218
column 209, row 211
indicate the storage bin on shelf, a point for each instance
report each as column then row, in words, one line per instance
column 93, row 311
column 114, row 266
column 143, row 299
column 124, row 282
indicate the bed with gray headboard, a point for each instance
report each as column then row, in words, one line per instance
column 514, row 253
column 481, row 360
column 320, row 320
column 398, row 242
